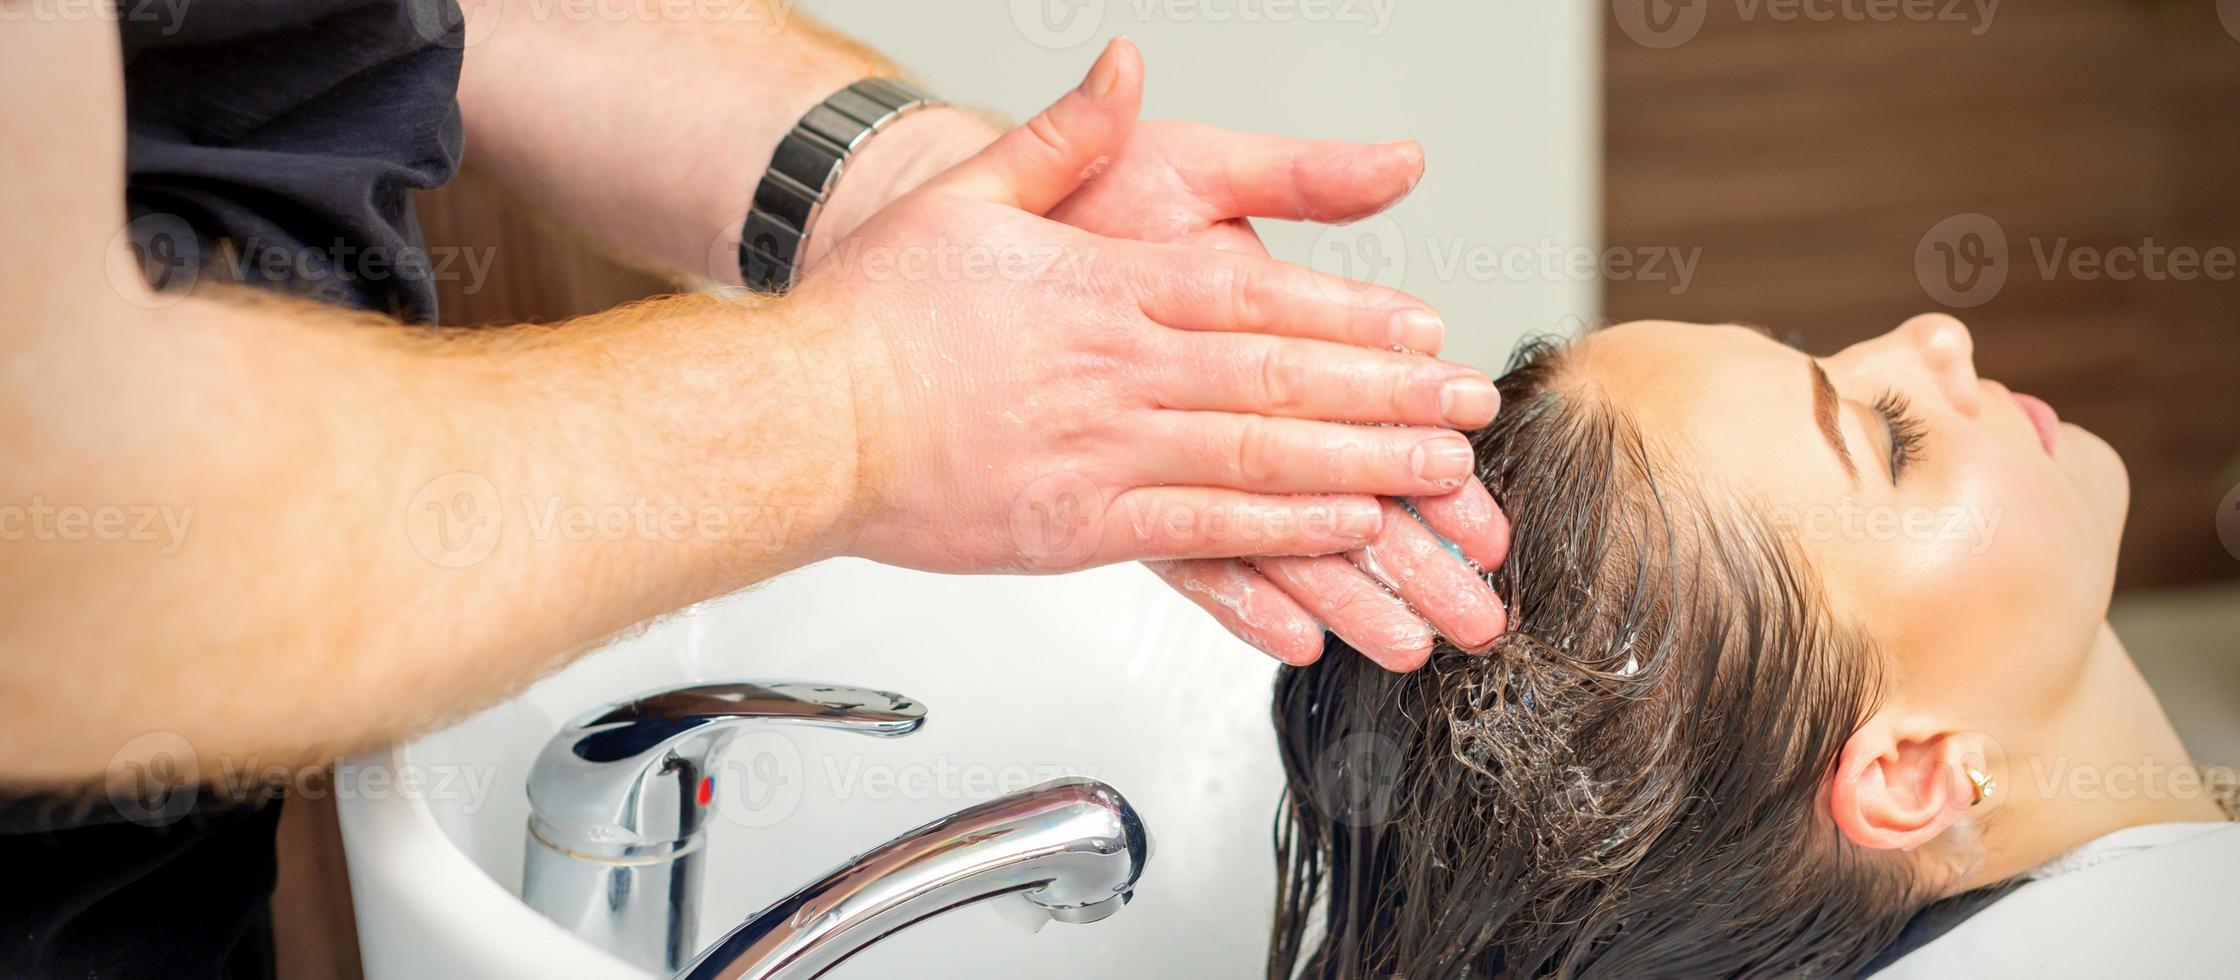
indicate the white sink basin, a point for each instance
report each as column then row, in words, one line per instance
column 1104, row 674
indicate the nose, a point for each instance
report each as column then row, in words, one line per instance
column 1933, row 350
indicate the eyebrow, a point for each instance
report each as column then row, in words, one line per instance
column 1824, row 402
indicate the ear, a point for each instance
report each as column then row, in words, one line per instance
column 1898, row 791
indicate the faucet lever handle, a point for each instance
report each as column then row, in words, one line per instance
column 620, row 730
column 630, row 775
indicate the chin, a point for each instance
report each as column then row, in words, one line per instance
column 2101, row 479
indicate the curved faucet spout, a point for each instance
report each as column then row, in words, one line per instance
column 1070, row 849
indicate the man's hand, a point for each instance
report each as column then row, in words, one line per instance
column 1191, row 184
column 1170, row 401
column 667, row 183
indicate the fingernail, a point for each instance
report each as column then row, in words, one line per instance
column 1445, row 461
column 1469, row 402
column 1104, row 74
column 1418, row 330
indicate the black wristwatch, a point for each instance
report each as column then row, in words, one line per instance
column 804, row 170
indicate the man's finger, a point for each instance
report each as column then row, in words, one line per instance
column 1407, row 558
column 1355, row 607
column 1470, row 519
column 1036, row 165
column 1247, row 605
column 1277, row 455
column 1200, row 522
column 1315, row 380
column 1264, row 176
column 1202, row 289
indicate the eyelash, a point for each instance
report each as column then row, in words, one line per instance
column 1907, row 432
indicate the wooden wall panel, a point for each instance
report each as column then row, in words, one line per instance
column 538, row 271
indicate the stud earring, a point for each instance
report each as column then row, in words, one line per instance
column 1986, row 787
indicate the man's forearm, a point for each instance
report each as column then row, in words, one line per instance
column 356, row 530
column 650, row 131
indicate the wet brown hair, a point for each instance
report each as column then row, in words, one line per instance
column 1631, row 784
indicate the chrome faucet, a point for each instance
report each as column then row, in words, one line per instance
column 617, row 799
column 617, row 850
column 1069, row 850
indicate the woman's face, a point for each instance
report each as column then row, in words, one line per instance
column 1969, row 533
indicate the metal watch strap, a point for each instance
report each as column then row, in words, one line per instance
column 804, row 170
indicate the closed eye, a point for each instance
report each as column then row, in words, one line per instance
column 1904, row 431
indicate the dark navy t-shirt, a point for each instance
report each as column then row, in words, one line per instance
column 288, row 136
column 277, row 143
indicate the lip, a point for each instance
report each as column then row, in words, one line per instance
column 2042, row 418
